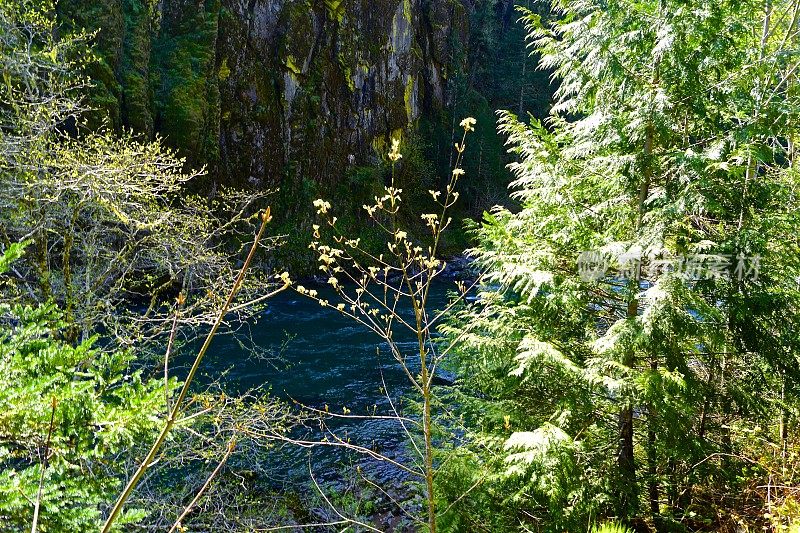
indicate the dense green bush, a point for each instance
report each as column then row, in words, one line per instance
column 71, row 409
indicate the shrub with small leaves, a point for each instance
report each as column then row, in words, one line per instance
column 73, row 410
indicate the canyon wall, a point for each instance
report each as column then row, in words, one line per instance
column 304, row 96
column 265, row 91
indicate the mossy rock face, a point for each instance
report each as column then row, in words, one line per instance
column 294, row 94
column 187, row 106
column 106, row 19
column 136, row 108
column 313, row 86
column 255, row 88
column 328, row 78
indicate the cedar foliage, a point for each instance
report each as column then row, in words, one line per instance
column 652, row 393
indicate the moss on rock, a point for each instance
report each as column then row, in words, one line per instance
column 296, row 93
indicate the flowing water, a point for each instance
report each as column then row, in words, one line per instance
column 322, row 358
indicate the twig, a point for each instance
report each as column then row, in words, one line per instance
column 393, row 500
column 474, row 485
column 336, row 443
column 367, row 417
column 305, row 526
column 335, row 510
column 181, row 299
column 115, row 511
column 205, row 486
column 44, row 466
column 258, row 300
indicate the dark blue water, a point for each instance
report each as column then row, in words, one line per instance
column 318, row 357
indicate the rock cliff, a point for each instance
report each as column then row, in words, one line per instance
column 268, row 90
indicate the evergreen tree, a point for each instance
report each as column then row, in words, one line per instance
column 68, row 414
column 645, row 292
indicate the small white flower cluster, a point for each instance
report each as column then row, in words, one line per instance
column 430, row 219
column 395, row 155
column 322, row 206
column 307, row 292
column 468, row 124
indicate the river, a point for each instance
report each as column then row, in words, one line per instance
column 321, row 358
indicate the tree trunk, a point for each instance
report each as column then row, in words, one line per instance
column 628, row 493
column 628, row 489
column 652, row 460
